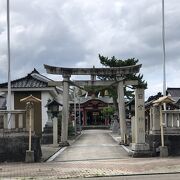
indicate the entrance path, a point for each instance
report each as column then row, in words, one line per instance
column 93, row 145
column 94, row 154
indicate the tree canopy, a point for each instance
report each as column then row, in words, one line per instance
column 114, row 62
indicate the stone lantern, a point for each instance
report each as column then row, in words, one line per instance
column 53, row 108
column 52, row 111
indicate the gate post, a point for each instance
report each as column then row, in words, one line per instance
column 139, row 147
column 65, row 112
column 121, row 107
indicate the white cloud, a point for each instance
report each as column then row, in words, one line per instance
column 72, row 33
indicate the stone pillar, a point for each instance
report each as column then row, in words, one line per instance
column 55, row 131
column 151, row 119
column 121, row 107
column 20, row 120
column 12, row 121
column 139, row 116
column 49, row 122
column 133, row 128
column 5, row 121
column 156, row 119
column 65, row 112
column 139, row 147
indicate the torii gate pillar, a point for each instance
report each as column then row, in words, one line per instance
column 121, row 107
column 65, row 112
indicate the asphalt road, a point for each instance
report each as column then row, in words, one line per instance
column 139, row 177
column 93, row 145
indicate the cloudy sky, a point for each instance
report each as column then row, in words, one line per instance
column 71, row 33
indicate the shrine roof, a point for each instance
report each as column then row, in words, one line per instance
column 107, row 100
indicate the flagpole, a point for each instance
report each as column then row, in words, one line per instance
column 163, row 123
column 164, row 51
column 9, row 64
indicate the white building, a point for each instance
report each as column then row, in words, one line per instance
column 37, row 85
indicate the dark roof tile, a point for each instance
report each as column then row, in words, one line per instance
column 174, row 92
column 26, row 82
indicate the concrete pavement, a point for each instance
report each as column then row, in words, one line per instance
column 94, row 154
column 93, row 145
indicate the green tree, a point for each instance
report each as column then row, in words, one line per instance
column 113, row 62
column 108, row 111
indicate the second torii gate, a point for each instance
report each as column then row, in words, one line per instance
column 119, row 72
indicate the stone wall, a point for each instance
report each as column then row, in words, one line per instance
column 13, row 146
column 171, row 141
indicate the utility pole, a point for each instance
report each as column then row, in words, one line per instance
column 164, row 51
column 9, row 66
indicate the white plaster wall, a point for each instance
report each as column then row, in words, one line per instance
column 44, row 98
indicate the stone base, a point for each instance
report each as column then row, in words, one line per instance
column 64, row 144
column 140, row 150
column 29, row 156
column 140, row 147
column 163, row 151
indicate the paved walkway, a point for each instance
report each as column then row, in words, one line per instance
column 94, row 154
column 93, row 145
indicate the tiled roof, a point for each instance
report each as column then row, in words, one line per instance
column 174, row 92
column 107, row 100
column 28, row 81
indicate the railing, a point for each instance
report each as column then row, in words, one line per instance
column 12, row 119
column 171, row 121
column 171, row 118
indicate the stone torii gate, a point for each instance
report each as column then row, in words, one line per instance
column 119, row 72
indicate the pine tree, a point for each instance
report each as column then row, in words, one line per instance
column 128, row 91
